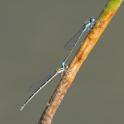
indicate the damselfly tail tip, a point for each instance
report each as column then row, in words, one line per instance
column 22, row 107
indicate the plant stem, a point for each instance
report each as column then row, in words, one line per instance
column 87, row 45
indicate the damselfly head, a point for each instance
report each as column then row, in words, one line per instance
column 64, row 65
column 92, row 19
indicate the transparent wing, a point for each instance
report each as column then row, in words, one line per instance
column 71, row 43
column 35, row 91
column 33, row 88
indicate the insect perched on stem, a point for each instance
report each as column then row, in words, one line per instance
column 70, row 45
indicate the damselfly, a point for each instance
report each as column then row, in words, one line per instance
column 70, row 45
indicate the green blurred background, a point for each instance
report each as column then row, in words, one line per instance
column 32, row 36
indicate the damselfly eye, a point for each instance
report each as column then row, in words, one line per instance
column 92, row 19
